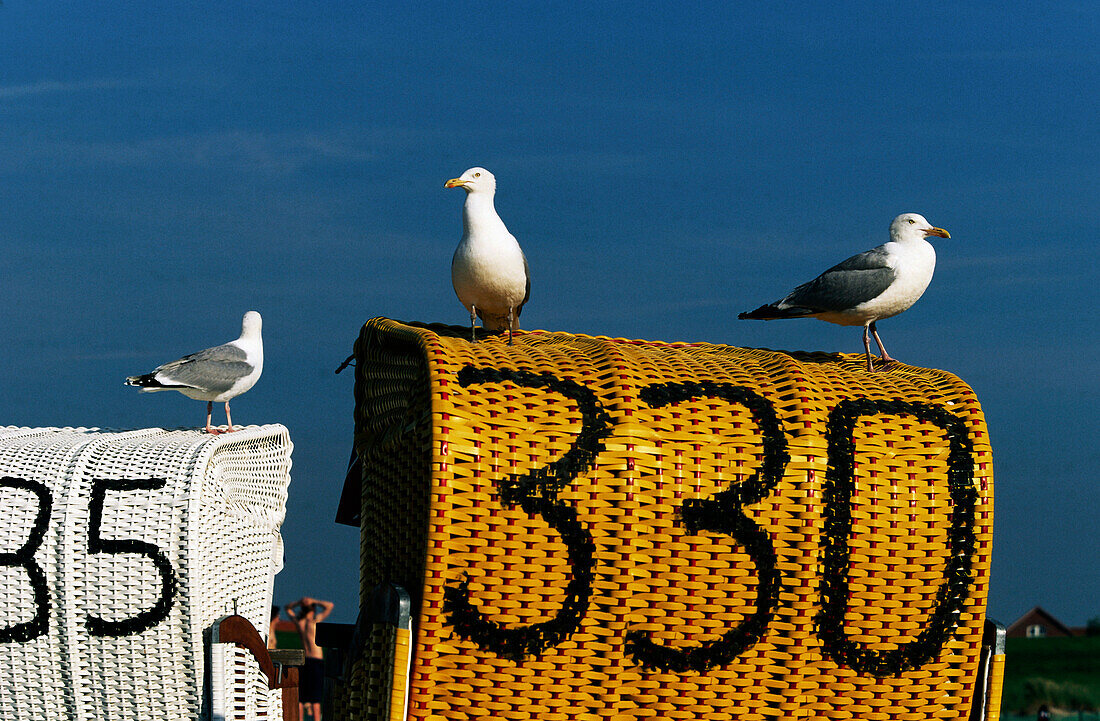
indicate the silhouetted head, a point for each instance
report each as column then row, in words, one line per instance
column 251, row 324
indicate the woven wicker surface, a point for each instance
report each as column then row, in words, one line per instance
column 597, row 528
column 996, row 690
column 148, row 537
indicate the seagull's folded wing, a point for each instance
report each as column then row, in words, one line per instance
column 214, row 369
column 846, row 285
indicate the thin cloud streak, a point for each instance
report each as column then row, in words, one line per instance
column 272, row 152
column 46, row 87
column 238, row 149
column 276, row 153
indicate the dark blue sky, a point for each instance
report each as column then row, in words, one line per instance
column 164, row 169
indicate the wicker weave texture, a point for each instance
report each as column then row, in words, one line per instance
column 608, row 529
column 120, row 550
column 996, row 689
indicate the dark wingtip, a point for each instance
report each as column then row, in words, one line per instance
column 763, row 312
column 144, row 381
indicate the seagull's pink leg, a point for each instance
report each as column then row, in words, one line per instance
column 511, row 323
column 209, row 412
column 228, row 420
column 473, row 323
column 886, row 359
column 867, row 348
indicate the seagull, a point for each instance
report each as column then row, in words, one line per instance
column 217, row 374
column 488, row 270
column 868, row 287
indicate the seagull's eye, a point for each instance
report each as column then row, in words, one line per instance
column 911, row 221
column 478, row 175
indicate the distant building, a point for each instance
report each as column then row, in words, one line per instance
column 1037, row 623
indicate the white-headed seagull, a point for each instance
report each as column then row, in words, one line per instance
column 488, row 270
column 216, row 374
column 868, row 287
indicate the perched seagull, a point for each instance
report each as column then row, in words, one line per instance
column 867, row 287
column 488, row 270
column 217, row 374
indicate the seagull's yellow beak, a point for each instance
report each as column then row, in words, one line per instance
column 457, row 183
column 937, row 231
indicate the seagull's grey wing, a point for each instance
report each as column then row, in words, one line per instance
column 214, row 369
column 844, row 286
column 527, row 293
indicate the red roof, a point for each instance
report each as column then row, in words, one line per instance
column 1038, row 617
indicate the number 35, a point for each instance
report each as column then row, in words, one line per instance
column 23, row 557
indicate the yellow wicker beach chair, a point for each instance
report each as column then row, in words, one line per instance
column 595, row 528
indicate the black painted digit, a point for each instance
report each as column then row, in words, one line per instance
column 96, row 544
column 23, row 557
column 724, row 514
column 537, row 494
column 837, row 497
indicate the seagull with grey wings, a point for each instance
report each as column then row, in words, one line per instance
column 488, row 270
column 868, row 287
column 216, row 374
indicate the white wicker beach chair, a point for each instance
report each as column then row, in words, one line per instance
column 119, row 551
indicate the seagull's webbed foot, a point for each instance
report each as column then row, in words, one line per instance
column 228, row 421
column 887, row 361
column 884, row 367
